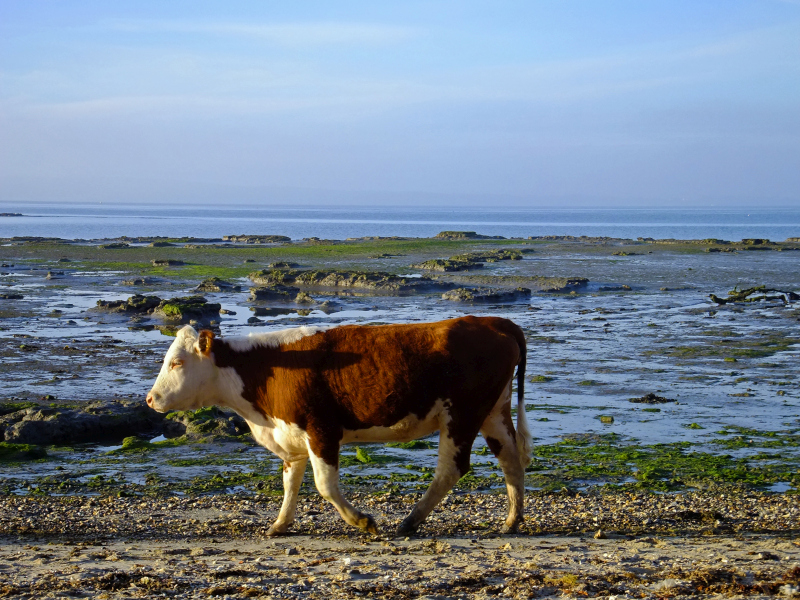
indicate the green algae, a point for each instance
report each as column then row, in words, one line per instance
column 600, row 459
column 10, row 452
column 413, row 445
column 12, row 407
column 137, row 444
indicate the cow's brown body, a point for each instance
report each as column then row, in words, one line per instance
column 305, row 392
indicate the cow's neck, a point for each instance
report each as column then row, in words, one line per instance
column 239, row 377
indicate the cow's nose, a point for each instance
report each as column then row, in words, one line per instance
column 150, row 399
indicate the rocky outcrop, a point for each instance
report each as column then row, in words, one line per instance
column 215, row 284
column 187, row 308
column 204, row 422
column 256, row 239
column 362, row 280
column 465, row 235
column 136, row 304
column 469, row 261
column 97, row 422
column 447, row 265
column 487, row 295
column 273, row 292
column 181, row 309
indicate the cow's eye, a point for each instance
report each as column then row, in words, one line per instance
column 175, row 364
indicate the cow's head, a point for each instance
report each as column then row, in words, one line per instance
column 188, row 376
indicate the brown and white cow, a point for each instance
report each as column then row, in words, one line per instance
column 308, row 390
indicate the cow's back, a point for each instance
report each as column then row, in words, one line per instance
column 367, row 376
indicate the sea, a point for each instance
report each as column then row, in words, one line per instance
column 104, row 221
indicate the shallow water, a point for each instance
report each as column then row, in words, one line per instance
column 598, row 349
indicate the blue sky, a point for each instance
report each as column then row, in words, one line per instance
column 551, row 103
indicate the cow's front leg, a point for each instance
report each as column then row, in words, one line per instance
column 292, row 478
column 326, row 478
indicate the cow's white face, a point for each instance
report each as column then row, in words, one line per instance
column 187, row 380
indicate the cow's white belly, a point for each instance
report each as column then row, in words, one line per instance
column 409, row 428
column 286, row 440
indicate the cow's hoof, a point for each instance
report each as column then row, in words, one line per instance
column 512, row 528
column 407, row 527
column 277, row 530
column 367, row 523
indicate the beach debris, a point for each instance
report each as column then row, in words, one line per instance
column 756, row 294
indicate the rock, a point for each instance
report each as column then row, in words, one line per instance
column 569, row 284
column 11, row 296
column 304, row 298
column 650, row 398
column 447, row 266
column 614, row 288
column 166, row 262
column 104, row 421
column 204, row 422
column 136, row 304
column 215, row 284
column 115, row 246
column 283, row 265
column 257, row 239
column 465, row 235
column 273, row 292
column 187, row 308
column 362, row 280
column 486, row 295
column 264, row 311
column 139, row 281
column 161, row 244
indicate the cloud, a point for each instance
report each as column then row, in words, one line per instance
column 287, row 34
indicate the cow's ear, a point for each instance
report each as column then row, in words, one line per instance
column 204, row 342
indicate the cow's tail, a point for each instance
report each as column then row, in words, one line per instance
column 524, row 442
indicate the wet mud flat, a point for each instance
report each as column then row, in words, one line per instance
column 637, row 383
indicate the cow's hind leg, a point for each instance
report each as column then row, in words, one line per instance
column 326, row 478
column 453, row 463
column 498, row 431
column 292, row 478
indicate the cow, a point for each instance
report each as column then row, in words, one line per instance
column 305, row 391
